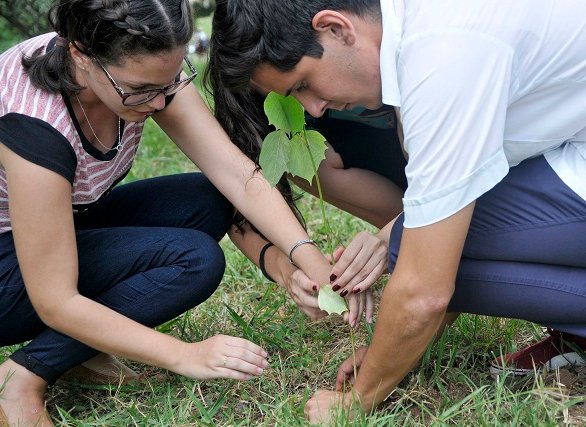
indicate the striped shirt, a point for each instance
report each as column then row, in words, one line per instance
column 41, row 127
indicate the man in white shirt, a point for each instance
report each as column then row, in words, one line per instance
column 493, row 103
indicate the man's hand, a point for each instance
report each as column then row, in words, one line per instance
column 346, row 369
column 322, row 405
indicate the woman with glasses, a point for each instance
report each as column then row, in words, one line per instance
column 87, row 268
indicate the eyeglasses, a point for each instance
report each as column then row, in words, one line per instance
column 131, row 99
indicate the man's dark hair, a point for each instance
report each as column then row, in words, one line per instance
column 247, row 33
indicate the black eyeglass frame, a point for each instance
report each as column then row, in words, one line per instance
column 166, row 90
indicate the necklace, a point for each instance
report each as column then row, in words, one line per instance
column 118, row 146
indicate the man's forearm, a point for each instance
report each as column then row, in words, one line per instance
column 405, row 326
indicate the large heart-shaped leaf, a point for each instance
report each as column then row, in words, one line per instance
column 275, row 155
column 300, row 160
column 284, row 112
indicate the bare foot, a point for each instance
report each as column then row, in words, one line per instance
column 22, row 396
column 101, row 369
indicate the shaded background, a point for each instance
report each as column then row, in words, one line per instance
column 21, row 19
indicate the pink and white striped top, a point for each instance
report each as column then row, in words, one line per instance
column 41, row 127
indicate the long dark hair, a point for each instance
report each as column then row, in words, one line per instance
column 242, row 116
column 109, row 30
column 247, row 33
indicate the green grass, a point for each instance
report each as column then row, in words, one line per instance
column 451, row 387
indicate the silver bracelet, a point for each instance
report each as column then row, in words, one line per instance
column 296, row 245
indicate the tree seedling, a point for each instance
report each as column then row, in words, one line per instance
column 293, row 149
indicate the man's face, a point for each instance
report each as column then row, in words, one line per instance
column 343, row 78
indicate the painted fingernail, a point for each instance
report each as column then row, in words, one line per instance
column 343, row 294
column 336, row 288
column 314, row 287
column 333, row 277
column 356, row 290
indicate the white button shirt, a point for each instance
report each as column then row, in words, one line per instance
column 484, row 85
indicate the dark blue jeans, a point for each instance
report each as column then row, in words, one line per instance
column 525, row 253
column 149, row 250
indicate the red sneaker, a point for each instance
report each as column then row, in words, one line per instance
column 555, row 351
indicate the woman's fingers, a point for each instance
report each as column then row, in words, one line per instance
column 233, row 357
column 369, row 305
column 360, row 264
column 304, row 294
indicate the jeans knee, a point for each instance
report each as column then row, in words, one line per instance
column 221, row 212
column 206, row 264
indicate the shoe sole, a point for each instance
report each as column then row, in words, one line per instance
column 560, row 361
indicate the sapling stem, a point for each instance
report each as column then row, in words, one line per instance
column 329, row 242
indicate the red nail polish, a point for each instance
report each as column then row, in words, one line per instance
column 314, row 288
column 356, row 290
column 335, row 288
column 333, row 277
column 343, row 294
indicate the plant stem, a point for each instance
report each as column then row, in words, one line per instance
column 353, row 344
column 322, row 205
column 328, row 230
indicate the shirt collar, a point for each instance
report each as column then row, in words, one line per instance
column 392, row 19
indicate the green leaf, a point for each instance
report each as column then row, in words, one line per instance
column 330, row 301
column 274, row 155
column 284, row 112
column 299, row 163
column 300, row 158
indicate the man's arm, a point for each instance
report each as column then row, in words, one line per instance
column 413, row 304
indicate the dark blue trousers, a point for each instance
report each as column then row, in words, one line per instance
column 525, row 253
column 149, row 250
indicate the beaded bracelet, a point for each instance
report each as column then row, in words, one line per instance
column 296, row 245
column 261, row 262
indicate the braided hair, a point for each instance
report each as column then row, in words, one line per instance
column 110, row 30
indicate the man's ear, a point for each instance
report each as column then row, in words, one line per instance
column 80, row 59
column 336, row 24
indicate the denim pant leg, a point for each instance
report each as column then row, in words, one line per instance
column 151, row 271
column 525, row 253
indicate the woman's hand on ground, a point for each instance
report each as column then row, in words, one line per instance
column 360, row 264
column 304, row 292
column 223, row 356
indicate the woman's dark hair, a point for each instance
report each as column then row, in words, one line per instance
column 242, row 116
column 110, row 30
column 247, row 33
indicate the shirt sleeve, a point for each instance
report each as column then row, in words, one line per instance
column 38, row 142
column 454, row 92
